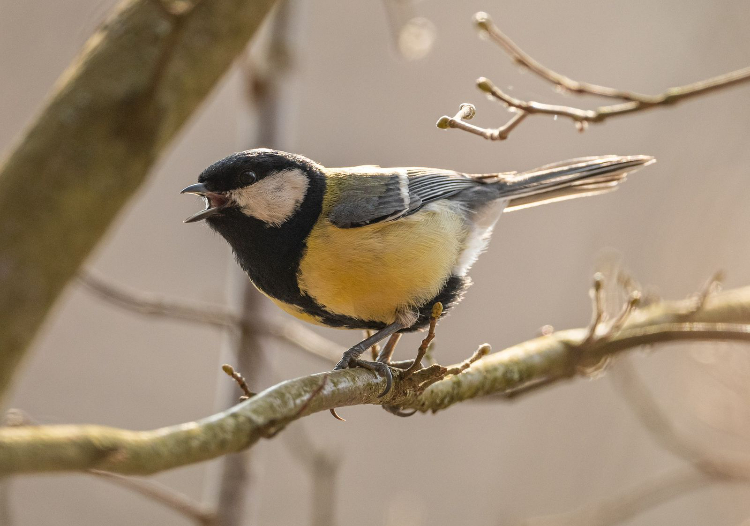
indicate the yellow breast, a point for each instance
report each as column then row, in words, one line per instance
column 373, row 272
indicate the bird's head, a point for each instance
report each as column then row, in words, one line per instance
column 268, row 185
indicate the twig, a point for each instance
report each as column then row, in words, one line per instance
column 162, row 494
column 480, row 353
column 624, row 505
column 6, row 513
column 633, row 102
column 712, row 286
column 540, row 361
column 467, row 112
column 212, row 315
column 597, row 308
column 437, row 310
column 323, row 467
column 237, row 377
column 706, row 465
column 716, row 464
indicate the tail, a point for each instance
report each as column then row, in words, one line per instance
column 566, row 180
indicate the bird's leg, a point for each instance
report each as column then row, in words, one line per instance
column 387, row 352
column 351, row 357
column 375, row 348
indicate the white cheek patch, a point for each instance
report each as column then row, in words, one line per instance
column 275, row 198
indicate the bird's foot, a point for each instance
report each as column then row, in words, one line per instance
column 351, row 359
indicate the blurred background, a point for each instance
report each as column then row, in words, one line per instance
column 365, row 85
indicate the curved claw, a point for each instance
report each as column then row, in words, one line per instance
column 395, row 410
column 336, row 415
column 388, row 381
column 378, row 367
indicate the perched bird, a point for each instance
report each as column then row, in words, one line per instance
column 369, row 247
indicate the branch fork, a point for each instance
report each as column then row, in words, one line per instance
column 628, row 101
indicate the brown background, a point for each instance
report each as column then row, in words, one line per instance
column 359, row 103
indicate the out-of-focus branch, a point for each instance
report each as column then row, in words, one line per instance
column 643, row 496
column 323, row 467
column 6, row 514
column 118, row 105
column 211, row 315
column 541, row 361
column 711, row 461
column 707, row 466
column 633, row 102
column 163, row 495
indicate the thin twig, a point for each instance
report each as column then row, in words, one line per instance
column 626, row 504
column 211, row 315
column 717, row 464
column 162, row 494
column 437, row 310
column 706, row 464
column 467, row 112
column 482, row 351
column 597, row 308
column 633, row 102
column 323, row 467
column 237, row 377
column 712, row 286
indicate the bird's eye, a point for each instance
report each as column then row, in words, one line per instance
column 247, row 178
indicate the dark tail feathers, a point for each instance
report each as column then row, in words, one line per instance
column 566, row 180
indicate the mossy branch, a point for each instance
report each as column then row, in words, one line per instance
column 518, row 369
column 136, row 82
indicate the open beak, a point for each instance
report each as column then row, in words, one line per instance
column 214, row 202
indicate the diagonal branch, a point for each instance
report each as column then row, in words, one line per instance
column 628, row 503
column 211, row 315
column 543, row 360
column 712, row 462
column 163, row 495
column 632, row 101
column 136, row 82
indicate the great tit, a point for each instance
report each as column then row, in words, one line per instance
column 369, row 247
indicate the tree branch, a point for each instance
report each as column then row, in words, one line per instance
column 712, row 462
column 633, row 102
column 630, row 502
column 163, row 495
column 152, row 490
column 136, row 82
column 323, row 467
column 541, row 361
column 211, row 315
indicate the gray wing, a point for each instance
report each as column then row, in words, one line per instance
column 368, row 195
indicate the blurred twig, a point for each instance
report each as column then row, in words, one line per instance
column 119, row 104
column 633, row 102
column 212, row 315
column 541, row 361
column 323, row 466
column 706, row 465
column 266, row 66
column 622, row 506
column 6, row 514
column 712, row 462
column 162, row 494
column 235, row 483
